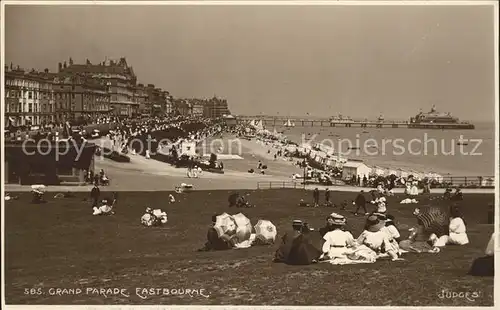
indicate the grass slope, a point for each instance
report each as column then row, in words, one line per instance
column 61, row 245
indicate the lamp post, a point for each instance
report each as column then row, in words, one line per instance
column 304, row 165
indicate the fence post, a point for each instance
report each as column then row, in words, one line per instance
column 270, row 185
column 294, row 184
column 466, row 181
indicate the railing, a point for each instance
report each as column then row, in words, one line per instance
column 294, row 184
column 278, row 184
column 467, row 182
column 447, row 181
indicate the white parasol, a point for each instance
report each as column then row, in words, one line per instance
column 224, row 224
column 39, row 188
column 244, row 227
column 265, row 231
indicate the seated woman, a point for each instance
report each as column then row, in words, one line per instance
column 447, row 193
column 458, row 195
column 38, row 192
column 392, row 233
column 154, row 217
column 217, row 243
column 337, row 241
column 457, row 230
column 485, row 266
column 106, row 208
column 148, row 219
column 375, row 238
column 296, row 247
column 104, row 179
column 381, row 206
column 380, row 188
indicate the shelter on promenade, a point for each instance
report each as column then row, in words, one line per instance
column 230, row 120
column 49, row 163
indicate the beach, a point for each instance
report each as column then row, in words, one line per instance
column 142, row 174
column 477, row 158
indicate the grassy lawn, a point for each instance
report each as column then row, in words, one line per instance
column 61, row 245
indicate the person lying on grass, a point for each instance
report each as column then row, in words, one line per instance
column 154, row 217
column 106, row 207
column 418, row 241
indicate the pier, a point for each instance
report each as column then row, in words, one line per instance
column 273, row 121
column 316, row 122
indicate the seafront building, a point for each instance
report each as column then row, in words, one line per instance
column 29, row 96
column 119, row 78
column 79, row 99
column 86, row 92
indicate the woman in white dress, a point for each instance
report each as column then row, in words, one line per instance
column 458, row 230
column 337, row 241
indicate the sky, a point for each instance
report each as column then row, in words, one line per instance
column 359, row 61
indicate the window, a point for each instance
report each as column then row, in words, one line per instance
column 30, row 95
column 30, row 108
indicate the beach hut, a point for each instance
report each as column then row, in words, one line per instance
column 354, row 168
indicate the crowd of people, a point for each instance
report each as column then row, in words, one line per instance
column 380, row 237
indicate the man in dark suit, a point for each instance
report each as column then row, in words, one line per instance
column 327, row 197
column 95, row 193
column 360, row 202
column 316, row 197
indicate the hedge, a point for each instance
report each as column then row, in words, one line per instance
column 115, row 156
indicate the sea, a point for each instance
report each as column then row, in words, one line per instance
column 447, row 152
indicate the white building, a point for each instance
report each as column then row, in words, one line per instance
column 357, row 168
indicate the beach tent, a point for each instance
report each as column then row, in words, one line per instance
column 351, row 168
column 259, row 125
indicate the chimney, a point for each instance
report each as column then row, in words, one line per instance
column 70, row 61
column 46, row 70
column 60, row 67
column 64, row 65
